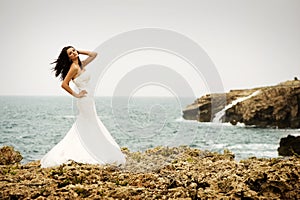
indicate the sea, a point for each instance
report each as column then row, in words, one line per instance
column 34, row 124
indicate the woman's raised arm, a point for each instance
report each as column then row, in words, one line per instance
column 91, row 56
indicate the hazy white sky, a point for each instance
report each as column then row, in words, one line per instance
column 251, row 42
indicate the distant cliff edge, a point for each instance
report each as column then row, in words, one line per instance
column 273, row 106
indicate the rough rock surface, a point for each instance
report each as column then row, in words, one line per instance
column 159, row 173
column 9, row 156
column 289, row 146
column 275, row 106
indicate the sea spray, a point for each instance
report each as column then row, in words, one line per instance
column 220, row 114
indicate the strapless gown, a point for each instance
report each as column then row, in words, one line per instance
column 88, row 140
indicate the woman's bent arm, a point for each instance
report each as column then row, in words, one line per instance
column 65, row 84
column 91, row 56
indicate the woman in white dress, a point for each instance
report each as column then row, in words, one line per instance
column 88, row 140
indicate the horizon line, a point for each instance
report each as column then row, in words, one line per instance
column 34, row 95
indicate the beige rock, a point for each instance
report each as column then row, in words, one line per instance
column 190, row 174
column 9, row 156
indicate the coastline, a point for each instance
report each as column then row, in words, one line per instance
column 273, row 106
column 158, row 173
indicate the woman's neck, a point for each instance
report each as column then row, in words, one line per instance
column 76, row 61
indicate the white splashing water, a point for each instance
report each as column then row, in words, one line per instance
column 220, row 114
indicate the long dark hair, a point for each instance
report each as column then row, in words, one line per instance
column 63, row 63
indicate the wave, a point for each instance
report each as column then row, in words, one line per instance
column 255, row 146
column 68, row 116
column 181, row 119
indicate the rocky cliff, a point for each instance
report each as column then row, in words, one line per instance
column 274, row 106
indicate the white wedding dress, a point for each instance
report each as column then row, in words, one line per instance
column 88, row 141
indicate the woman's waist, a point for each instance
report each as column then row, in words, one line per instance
column 86, row 88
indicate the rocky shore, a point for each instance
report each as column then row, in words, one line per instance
column 158, row 173
column 274, row 106
column 289, row 146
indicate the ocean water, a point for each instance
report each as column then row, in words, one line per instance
column 33, row 125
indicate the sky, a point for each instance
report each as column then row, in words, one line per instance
column 252, row 43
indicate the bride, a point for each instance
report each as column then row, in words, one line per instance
column 88, row 140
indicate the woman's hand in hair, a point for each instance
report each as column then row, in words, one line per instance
column 91, row 56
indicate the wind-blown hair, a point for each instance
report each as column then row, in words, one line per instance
column 63, row 63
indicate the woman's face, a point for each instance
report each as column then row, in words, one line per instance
column 72, row 53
